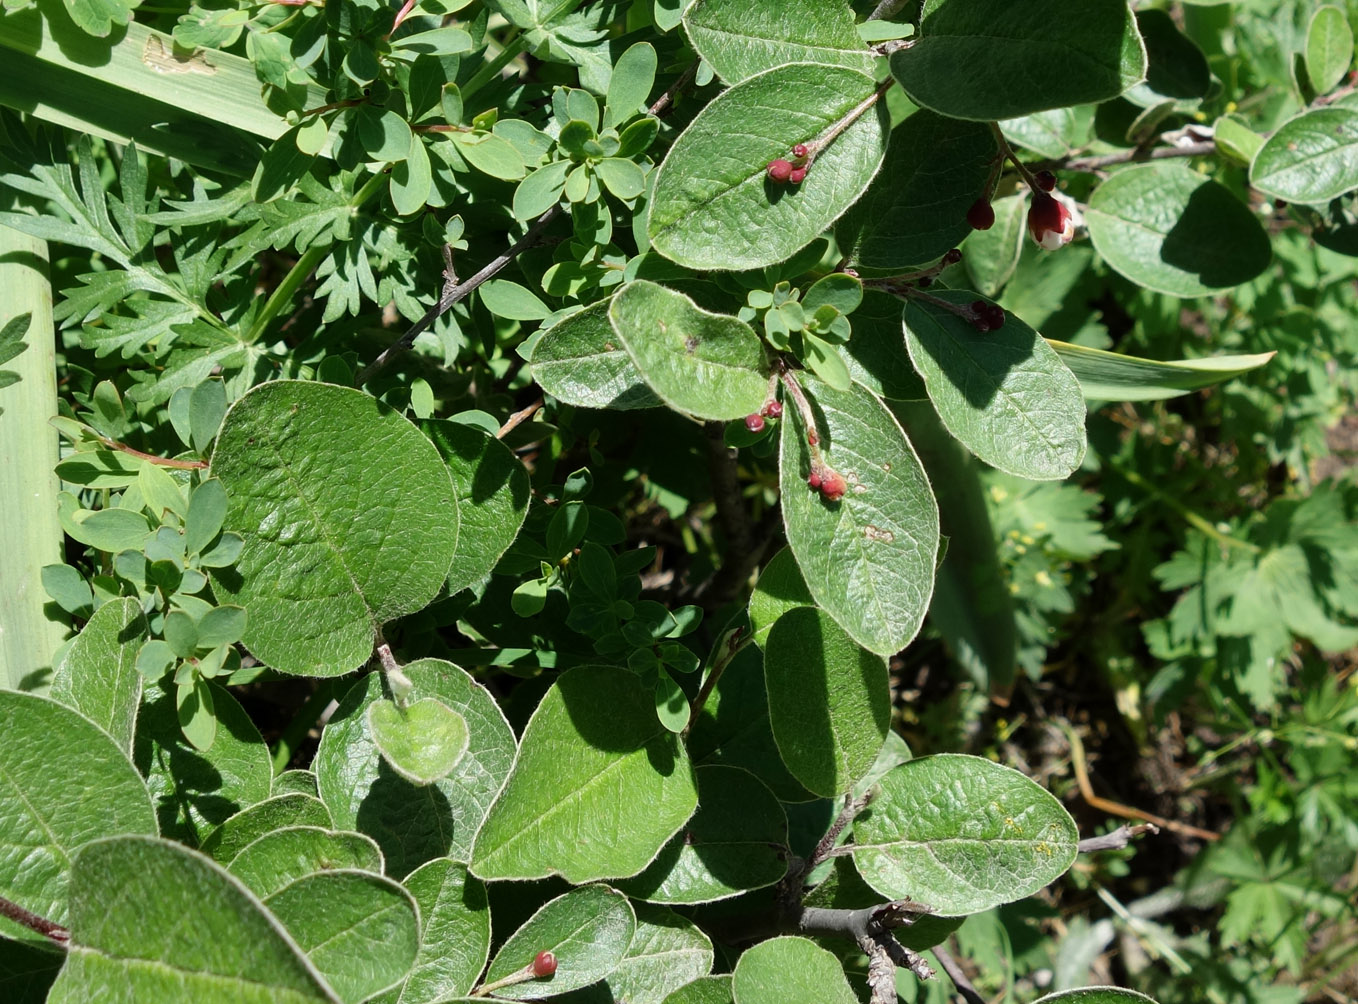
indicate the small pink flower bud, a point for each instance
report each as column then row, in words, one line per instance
column 779, row 170
column 755, row 423
column 833, row 486
column 797, row 175
column 1049, row 222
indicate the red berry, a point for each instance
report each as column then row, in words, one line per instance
column 799, row 150
column 812, row 438
column 755, row 423
column 833, row 486
column 813, row 479
column 779, row 170
column 979, row 306
column 774, row 409
column 797, row 176
column 544, row 964
column 981, row 215
column 952, row 257
column 1045, row 180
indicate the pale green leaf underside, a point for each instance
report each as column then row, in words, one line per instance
column 99, row 675
column 829, row 700
column 868, row 559
column 995, row 59
column 1110, row 376
column 713, row 207
column 1005, row 395
column 1313, row 158
column 703, row 364
column 579, row 361
column 131, row 899
column 587, row 929
column 591, row 753
column 788, row 969
column 740, row 39
column 63, row 782
column 962, row 834
column 422, row 742
column 348, row 515
column 1170, row 229
column 1095, row 995
column 414, row 823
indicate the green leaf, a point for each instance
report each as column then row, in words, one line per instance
column 364, row 937
column 713, row 205
column 667, row 952
column 345, row 509
column 621, row 177
column 790, row 969
column 1095, row 995
column 248, row 825
column 207, row 408
column 1235, row 138
column 1313, row 158
column 411, row 180
column 876, row 352
column 411, row 823
column 100, row 17
column 829, row 700
column 708, row 990
column 916, row 208
column 541, row 190
column 492, row 497
column 631, row 83
column 384, row 135
column 992, row 59
column 491, row 154
column 1176, row 69
column 740, row 39
column 132, row 896
column 454, row 932
column 587, row 929
column 780, row 589
column 1006, row 394
column 1111, row 376
column 504, row 298
column 728, row 847
column 99, row 675
column 962, row 835
column 592, row 746
column 282, row 856
column 63, row 782
column 869, row 558
column 703, row 364
column 578, row 361
column 422, row 742
column 1175, row 231
column 197, row 716
column 195, row 791
column 992, row 256
column 1329, row 48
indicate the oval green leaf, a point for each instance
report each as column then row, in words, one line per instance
column 713, row 206
column 703, row 364
column 667, row 952
column 1172, row 230
column 63, row 782
column 739, row 39
column 130, row 900
column 995, row 59
column 1095, row 995
column 345, row 509
column 916, row 208
column 248, row 825
column 454, row 932
column 962, row 834
column 360, row 930
column 1313, row 158
column 829, row 700
column 1005, row 395
column 729, row 846
column 592, row 748
column 413, row 823
column 790, row 969
column 1111, row 376
column 99, row 675
column 869, row 558
column 422, row 742
column 282, row 856
column 1329, row 48
column 580, row 361
column 588, row 930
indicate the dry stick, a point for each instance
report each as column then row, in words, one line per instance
column 30, row 920
column 1092, row 164
column 150, row 458
column 964, row 986
column 1116, row 840
column 453, row 291
column 1077, row 762
column 518, row 418
column 723, row 470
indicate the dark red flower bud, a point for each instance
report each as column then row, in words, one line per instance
column 1045, row 180
column 755, row 423
column 952, row 257
column 544, row 964
column 799, row 150
column 797, row 176
column 981, row 215
column 779, row 170
column 833, row 486
column 813, row 479
column 774, row 409
column 1049, row 222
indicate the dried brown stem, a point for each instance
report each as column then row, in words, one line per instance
column 47, row 928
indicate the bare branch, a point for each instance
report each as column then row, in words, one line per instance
column 1092, row 164
column 47, row 928
column 518, row 418
column 950, row 966
column 1116, row 840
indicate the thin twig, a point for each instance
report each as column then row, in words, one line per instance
column 1092, row 164
column 885, row 9
column 29, row 919
column 964, row 986
column 150, row 458
column 724, row 472
column 1116, row 840
column 728, row 647
column 518, row 418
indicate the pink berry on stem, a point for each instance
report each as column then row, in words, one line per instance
column 813, row 479
column 779, row 170
column 755, row 423
column 833, row 486
column 544, row 964
column 797, row 176
column 774, row 409
column 799, row 150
